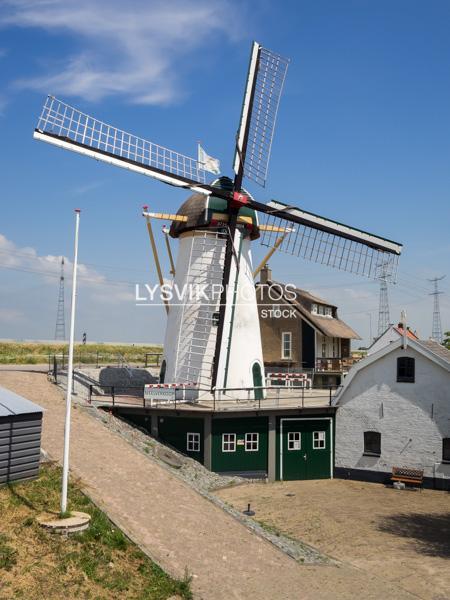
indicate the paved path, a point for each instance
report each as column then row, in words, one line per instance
column 179, row 528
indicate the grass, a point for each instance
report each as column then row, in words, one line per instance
column 29, row 353
column 100, row 563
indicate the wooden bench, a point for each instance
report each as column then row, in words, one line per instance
column 408, row 476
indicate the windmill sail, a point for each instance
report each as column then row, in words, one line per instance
column 266, row 75
column 330, row 243
column 69, row 128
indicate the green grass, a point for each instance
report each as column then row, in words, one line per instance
column 99, row 563
column 30, row 353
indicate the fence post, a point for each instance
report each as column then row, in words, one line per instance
column 97, row 359
column 55, row 369
column 303, row 396
column 112, row 394
column 330, row 395
column 90, row 393
column 157, row 359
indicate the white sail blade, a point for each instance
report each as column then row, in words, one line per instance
column 265, row 80
column 69, row 128
column 331, row 243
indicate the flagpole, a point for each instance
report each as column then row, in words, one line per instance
column 65, row 477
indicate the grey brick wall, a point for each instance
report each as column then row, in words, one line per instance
column 411, row 417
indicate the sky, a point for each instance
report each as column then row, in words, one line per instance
column 363, row 137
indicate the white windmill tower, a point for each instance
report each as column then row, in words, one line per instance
column 216, row 341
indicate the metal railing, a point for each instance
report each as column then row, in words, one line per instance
column 336, row 364
column 217, row 400
column 271, row 395
column 97, row 359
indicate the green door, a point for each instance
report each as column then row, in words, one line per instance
column 257, row 381
column 306, row 450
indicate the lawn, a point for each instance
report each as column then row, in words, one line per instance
column 29, row 353
column 100, row 563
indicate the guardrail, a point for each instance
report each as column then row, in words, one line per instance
column 217, row 400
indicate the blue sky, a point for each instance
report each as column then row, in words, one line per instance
column 363, row 136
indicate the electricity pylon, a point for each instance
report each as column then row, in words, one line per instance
column 436, row 333
column 60, row 329
column 383, row 309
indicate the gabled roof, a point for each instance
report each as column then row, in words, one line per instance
column 409, row 333
column 422, row 347
column 397, row 329
column 436, row 348
column 330, row 327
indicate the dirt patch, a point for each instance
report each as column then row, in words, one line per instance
column 399, row 536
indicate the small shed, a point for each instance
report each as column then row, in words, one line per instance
column 20, row 437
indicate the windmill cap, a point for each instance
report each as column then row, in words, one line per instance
column 207, row 212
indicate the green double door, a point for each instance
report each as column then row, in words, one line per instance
column 306, row 449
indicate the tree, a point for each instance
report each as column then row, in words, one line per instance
column 446, row 341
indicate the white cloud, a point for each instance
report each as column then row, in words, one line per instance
column 10, row 314
column 133, row 48
column 48, row 268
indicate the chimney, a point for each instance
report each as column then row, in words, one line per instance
column 265, row 274
column 405, row 329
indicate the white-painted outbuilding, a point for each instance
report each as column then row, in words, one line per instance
column 392, row 334
column 394, row 411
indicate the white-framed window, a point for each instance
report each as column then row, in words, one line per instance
column 228, row 442
column 251, row 442
column 319, row 440
column 286, row 344
column 193, row 442
column 294, row 440
column 314, row 309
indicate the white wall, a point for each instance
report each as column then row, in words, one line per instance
column 391, row 335
column 401, row 412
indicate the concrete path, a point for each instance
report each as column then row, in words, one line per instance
column 176, row 526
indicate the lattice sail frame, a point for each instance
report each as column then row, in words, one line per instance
column 64, row 122
column 265, row 80
column 333, row 244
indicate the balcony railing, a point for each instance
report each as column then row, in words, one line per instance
column 333, row 364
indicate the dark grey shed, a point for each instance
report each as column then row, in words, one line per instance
column 20, row 437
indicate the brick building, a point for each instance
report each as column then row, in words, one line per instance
column 302, row 332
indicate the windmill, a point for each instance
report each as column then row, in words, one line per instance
column 218, row 343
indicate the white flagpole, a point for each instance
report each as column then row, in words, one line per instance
column 65, row 477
